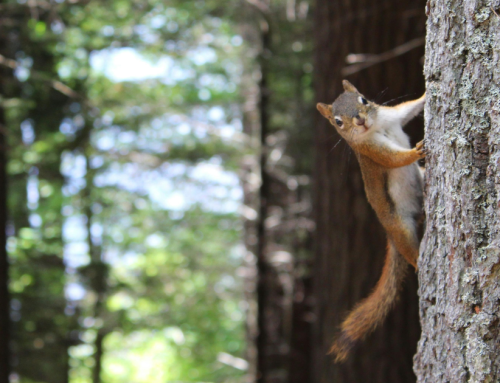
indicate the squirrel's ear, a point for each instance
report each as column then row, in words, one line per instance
column 348, row 87
column 324, row 109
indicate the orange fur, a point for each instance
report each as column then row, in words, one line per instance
column 375, row 134
column 368, row 314
column 402, row 235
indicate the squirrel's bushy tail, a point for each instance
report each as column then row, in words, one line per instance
column 370, row 312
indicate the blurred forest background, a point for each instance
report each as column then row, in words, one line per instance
column 159, row 165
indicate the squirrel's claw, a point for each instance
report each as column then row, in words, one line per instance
column 420, row 149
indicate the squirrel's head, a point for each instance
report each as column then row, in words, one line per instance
column 351, row 113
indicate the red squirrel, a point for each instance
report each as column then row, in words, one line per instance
column 393, row 184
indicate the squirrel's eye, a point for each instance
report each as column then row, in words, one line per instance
column 338, row 121
column 363, row 101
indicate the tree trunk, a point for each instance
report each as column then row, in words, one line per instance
column 283, row 228
column 97, row 270
column 267, row 280
column 350, row 241
column 458, row 267
column 98, row 355
column 4, row 262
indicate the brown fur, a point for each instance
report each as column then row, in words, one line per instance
column 348, row 116
column 369, row 313
column 403, row 237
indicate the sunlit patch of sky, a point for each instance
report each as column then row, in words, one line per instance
column 202, row 55
column 74, row 291
column 126, row 64
column 76, row 249
column 74, row 229
column 32, row 190
column 177, row 186
column 27, row 131
column 76, row 254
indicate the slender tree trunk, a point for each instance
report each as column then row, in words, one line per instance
column 283, row 241
column 98, row 354
column 4, row 263
column 98, row 269
column 301, row 344
column 350, row 241
column 249, row 171
column 458, row 268
column 284, row 226
column 267, row 280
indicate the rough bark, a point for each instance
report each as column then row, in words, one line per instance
column 459, row 272
column 350, row 241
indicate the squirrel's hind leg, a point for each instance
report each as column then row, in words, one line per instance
column 404, row 236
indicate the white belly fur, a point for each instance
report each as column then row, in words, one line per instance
column 405, row 189
column 405, row 183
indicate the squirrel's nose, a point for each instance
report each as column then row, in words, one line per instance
column 359, row 121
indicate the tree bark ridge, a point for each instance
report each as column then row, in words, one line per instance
column 460, row 253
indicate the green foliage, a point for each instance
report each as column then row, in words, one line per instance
column 123, row 201
column 124, row 229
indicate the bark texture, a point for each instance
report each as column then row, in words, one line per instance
column 459, row 264
column 350, row 241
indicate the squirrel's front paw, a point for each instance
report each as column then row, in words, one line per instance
column 420, row 149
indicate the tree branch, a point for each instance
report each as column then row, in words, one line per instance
column 261, row 6
column 57, row 85
column 365, row 61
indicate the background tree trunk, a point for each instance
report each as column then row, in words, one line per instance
column 350, row 241
column 280, row 235
column 459, row 271
column 4, row 262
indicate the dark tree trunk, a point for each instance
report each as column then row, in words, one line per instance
column 4, row 263
column 266, row 278
column 350, row 241
column 97, row 271
column 98, row 354
column 301, row 344
column 460, row 254
column 283, row 228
